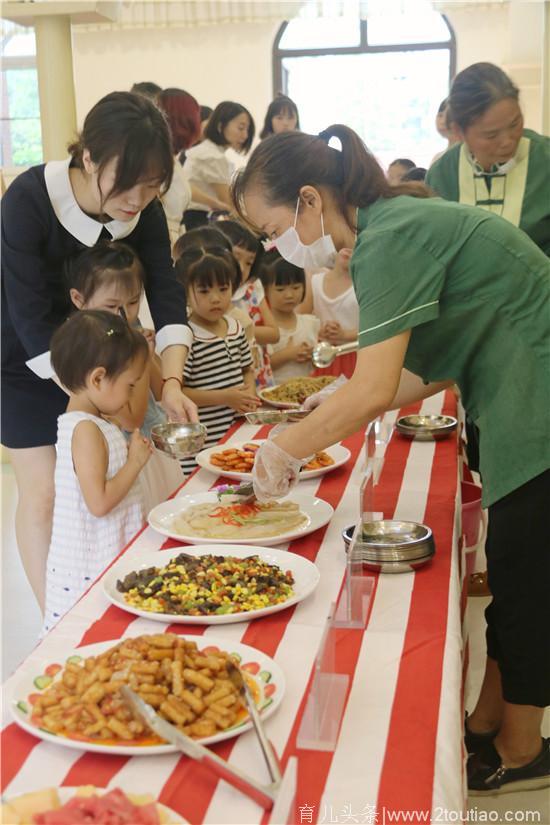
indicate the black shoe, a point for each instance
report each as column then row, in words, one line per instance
column 487, row 774
column 474, row 742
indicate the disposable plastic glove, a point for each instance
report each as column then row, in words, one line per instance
column 275, row 472
column 317, row 398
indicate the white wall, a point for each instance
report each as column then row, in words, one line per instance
column 233, row 61
column 229, row 62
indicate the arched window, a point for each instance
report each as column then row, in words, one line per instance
column 21, row 143
column 384, row 76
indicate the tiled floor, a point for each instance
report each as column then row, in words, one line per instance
column 21, row 623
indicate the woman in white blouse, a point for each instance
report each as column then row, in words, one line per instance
column 206, row 165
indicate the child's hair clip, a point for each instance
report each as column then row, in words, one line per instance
column 110, row 332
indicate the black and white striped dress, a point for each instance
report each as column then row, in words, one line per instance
column 212, row 364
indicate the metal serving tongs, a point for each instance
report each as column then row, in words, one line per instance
column 264, row 795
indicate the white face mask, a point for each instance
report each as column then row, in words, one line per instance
column 317, row 255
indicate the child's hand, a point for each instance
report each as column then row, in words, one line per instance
column 331, row 331
column 303, row 353
column 150, row 337
column 241, row 399
column 139, row 449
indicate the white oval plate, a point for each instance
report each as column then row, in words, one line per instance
column 304, row 572
column 279, row 405
column 266, row 673
column 66, row 793
column 161, row 518
column 338, row 453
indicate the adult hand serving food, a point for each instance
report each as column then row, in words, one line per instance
column 437, row 287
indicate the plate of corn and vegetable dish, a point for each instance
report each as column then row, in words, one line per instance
column 76, row 702
column 237, row 460
column 211, row 584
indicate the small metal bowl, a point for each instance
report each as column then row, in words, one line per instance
column 426, row 427
column 179, row 440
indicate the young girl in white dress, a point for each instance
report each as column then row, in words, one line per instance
column 331, row 297
column 218, row 374
column 285, row 286
column 98, row 506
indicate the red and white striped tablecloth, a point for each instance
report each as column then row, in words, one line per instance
column 400, row 742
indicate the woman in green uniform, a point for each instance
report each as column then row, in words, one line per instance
column 499, row 166
column 447, row 294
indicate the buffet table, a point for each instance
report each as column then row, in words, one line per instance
column 400, row 743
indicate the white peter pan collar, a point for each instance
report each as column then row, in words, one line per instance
column 69, row 214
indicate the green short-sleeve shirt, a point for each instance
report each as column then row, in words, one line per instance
column 475, row 293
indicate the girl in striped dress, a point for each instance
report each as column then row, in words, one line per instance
column 98, row 503
column 218, row 374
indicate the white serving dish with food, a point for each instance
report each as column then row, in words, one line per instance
column 291, row 394
column 21, row 809
column 34, row 709
column 322, row 463
column 191, row 518
column 303, row 572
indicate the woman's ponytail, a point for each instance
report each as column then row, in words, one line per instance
column 282, row 164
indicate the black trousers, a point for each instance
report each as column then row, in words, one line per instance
column 518, row 569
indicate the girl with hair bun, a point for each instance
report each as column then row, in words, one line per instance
column 107, row 188
column 448, row 294
column 99, row 503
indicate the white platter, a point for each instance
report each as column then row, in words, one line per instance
column 304, row 572
column 279, row 405
column 162, row 516
column 66, row 793
column 266, row 673
column 338, row 453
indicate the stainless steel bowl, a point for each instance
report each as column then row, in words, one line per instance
column 392, row 546
column 426, row 427
column 179, row 440
column 398, row 566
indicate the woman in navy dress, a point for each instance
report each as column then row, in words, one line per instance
column 107, row 188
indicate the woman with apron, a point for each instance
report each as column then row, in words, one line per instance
column 447, row 294
column 498, row 166
column 106, row 189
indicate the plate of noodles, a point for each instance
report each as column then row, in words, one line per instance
column 75, row 701
column 202, row 519
column 291, row 394
column 210, row 584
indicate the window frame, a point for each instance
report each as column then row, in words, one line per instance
column 280, row 81
column 11, row 63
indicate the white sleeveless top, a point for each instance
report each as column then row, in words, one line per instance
column 83, row 545
column 344, row 308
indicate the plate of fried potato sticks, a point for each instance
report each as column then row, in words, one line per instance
column 210, row 584
column 237, row 460
column 76, row 703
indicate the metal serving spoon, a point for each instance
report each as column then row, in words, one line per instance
column 325, row 353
